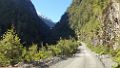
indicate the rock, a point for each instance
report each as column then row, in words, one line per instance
column 27, row 66
column 111, row 21
column 10, row 66
column 19, row 64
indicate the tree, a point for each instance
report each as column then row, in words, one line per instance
column 10, row 48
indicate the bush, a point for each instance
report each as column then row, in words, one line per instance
column 64, row 48
column 44, row 53
column 116, row 57
column 30, row 55
column 55, row 50
column 4, row 61
column 33, row 54
column 10, row 48
column 99, row 49
column 12, row 51
column 68, row 47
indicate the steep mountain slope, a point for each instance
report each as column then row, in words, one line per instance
column 62, row 29
column 94, row 21
column 22, row 15
column 83, row 17
column 49, row 22
column 111, row 25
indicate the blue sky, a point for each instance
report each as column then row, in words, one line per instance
column 53, row 9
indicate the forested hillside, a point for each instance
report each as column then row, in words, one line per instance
column 83, row 16
column 22, row 15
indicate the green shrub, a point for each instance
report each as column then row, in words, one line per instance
column 116, row 66
column 30, row 55
column 45, row 53
column 10, row 48
column 116, row 57
column 55, row 50
column 99, row 49
column 12, row 51
column 33, row 54
column 4, row 61
column 64, row 47
column 68, row 47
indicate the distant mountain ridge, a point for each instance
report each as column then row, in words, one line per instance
column 48, row 21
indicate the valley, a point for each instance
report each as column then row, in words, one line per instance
column 30, row 39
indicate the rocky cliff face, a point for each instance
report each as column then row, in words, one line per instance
column 111, row 24
column 22, row 15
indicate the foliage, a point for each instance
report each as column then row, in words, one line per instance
column 56, row 51
column 31, row 53
column 24, row 18
column 45, row 53
column 116, row 57
column 68, row 47
column 4, row 61
column 104, row 50
column 116, row 66
column 10, row 48
column 99, row 49
column 84, row 16
column 62, row 48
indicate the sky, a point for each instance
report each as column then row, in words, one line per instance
column 52, row 9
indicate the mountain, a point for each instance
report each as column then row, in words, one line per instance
column 94, row 21
column 83, row 18
column 22, row 15
column 49, row 22
column 62, row 29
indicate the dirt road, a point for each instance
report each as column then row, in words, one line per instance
column 83, row 59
